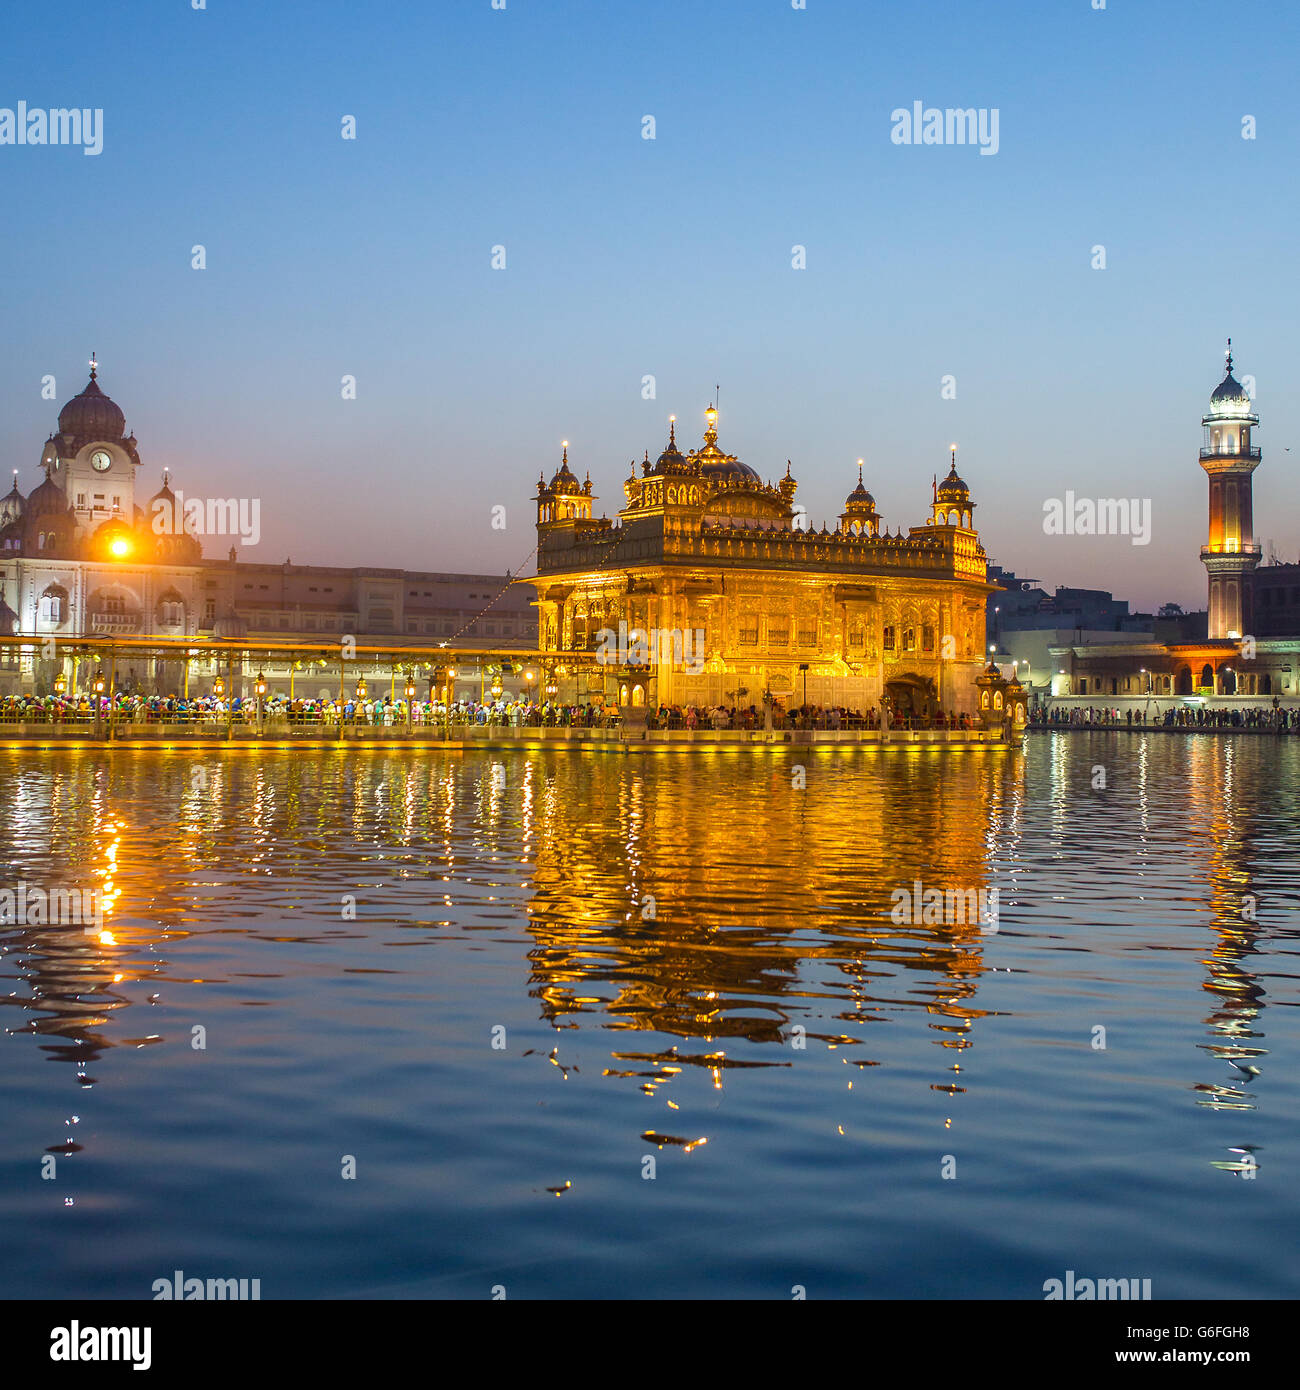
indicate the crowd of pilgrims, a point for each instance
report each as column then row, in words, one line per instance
column 1178, row 717
column 800, row 717
column 385, row 711
column 129, row 708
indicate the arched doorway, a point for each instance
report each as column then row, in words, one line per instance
column 1227, row 680
column 911, row 696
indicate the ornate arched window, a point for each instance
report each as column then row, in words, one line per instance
column 171, row 609
column 54, row 604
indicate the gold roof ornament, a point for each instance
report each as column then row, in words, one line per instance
column 860, row 500
column 564, row 483
column 952, row 489
column 718, row 466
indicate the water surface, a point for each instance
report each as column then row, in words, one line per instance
column 501, row 982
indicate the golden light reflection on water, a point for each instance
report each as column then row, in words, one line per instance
column 1235, row 821
column 700, row 908
column 766, row 919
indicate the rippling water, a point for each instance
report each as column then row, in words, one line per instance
column 501, row 982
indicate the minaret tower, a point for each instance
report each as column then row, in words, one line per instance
column 1230, row 554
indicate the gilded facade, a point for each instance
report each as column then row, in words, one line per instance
column 734, row 597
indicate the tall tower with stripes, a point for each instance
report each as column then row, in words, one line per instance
column 1230, row 553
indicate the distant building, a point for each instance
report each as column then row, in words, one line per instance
column 1024, row 606
column 81, row 556
column 1277, row 600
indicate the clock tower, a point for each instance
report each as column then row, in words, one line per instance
column 93, row 459
column 1231, row 552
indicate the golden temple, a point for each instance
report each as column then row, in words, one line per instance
column 711, row 590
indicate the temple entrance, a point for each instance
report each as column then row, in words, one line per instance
column 1184, row 682
column 911, row 697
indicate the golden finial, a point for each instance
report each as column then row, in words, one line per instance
column 711, row 431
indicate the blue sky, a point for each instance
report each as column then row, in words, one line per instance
column 628, row 257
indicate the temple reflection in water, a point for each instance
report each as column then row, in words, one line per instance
column 704, row 901
column 669, row 917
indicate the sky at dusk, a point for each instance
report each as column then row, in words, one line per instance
column 672, row 257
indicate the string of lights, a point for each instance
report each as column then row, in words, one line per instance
column 496, row 598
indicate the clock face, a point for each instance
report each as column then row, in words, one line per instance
column 100, row 461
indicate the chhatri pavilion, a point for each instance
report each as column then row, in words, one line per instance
column 710, row 589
